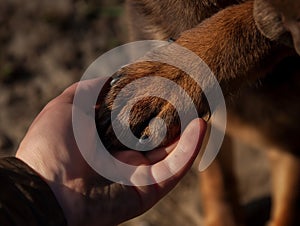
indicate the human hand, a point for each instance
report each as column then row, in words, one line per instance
column 86, row 197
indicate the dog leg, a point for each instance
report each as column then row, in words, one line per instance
column 219, row 191
column 235, row 60
column 285, row 170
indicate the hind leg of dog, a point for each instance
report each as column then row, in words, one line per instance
column 219, row 190
column 285, row 170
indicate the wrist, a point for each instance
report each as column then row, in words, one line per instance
column 70, row 202
column 79, row 208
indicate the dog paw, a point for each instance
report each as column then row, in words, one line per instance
column 147, row 106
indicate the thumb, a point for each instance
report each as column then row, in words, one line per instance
column 179, row 161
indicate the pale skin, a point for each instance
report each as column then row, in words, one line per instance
column 87, row 198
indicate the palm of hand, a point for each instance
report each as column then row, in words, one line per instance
column 50, row 148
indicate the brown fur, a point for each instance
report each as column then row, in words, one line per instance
column 236, row 44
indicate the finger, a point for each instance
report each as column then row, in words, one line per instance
column 131, row 157
column 159, row 154
column 180, row 160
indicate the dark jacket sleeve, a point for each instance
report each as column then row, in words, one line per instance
column 25, row 198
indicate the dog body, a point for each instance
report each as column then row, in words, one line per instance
column 166, row 19
column 239, row 51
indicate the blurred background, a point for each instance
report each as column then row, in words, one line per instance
column 45, row 46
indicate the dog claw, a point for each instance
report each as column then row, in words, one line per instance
column 143, row 139
column 115, row 80
column 171, row 40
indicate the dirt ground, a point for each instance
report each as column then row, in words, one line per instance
column 45, row 46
